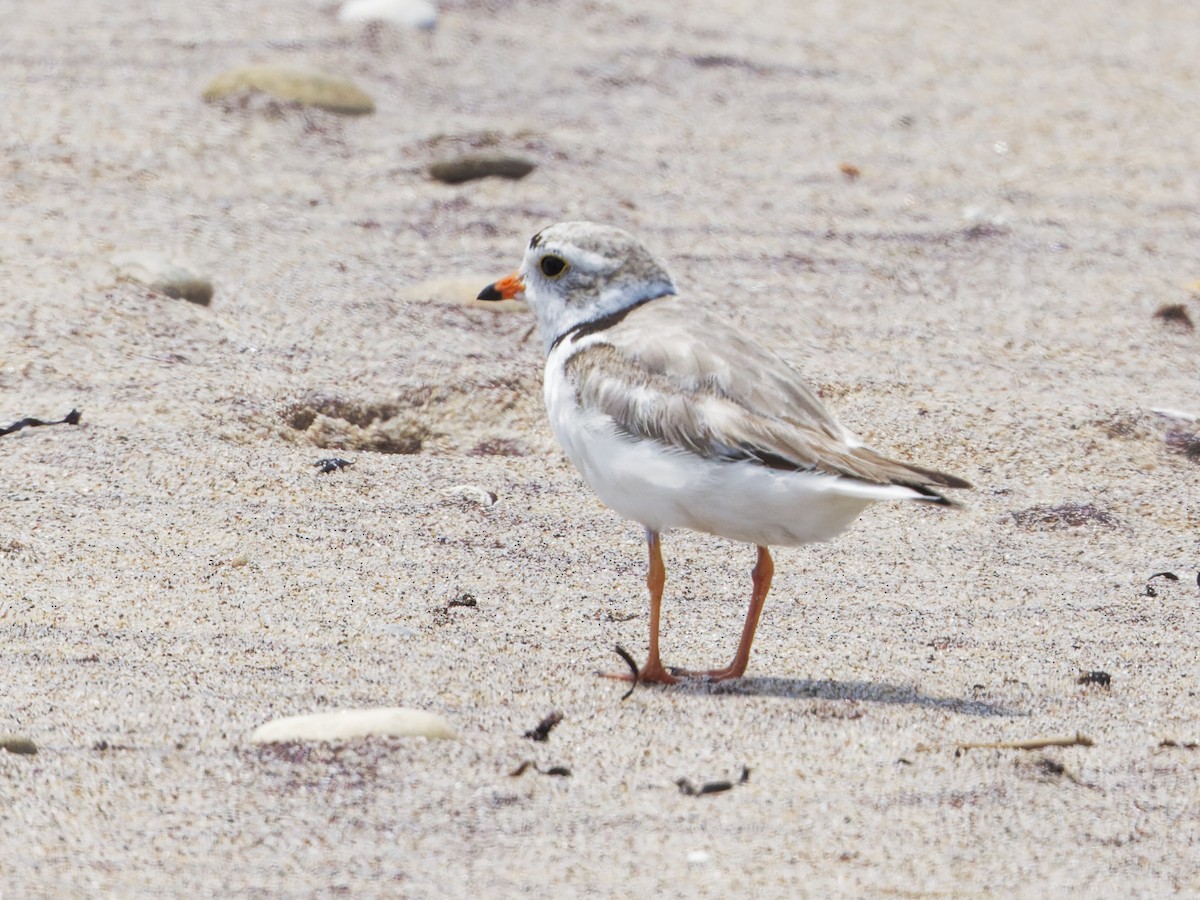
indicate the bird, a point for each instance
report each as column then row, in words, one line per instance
column 678, row 419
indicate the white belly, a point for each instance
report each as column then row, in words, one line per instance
column 663, row 488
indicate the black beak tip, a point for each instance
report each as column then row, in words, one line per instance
column 490, row 293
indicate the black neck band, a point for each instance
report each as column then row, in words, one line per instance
column 605, row 322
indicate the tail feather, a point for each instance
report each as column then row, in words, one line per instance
column 941, row 479
column 918, row 478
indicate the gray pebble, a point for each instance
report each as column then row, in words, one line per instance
column 16, row 743
column 481, row 165
column 158, row 273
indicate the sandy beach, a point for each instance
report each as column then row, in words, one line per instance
column 972, row 227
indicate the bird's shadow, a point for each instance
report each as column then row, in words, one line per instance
column 865, row 691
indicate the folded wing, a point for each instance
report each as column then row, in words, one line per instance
column 701, row 387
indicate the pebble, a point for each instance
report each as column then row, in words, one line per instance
column 308, row 87
column 480, row 165
column 406, row 13
column 462, row 291
column 472, row 492
column 1175, row 314
column 17, row 743
column 347, row 724
column 158, row 273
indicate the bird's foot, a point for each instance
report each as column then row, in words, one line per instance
column 711, row 675
column 648, row 674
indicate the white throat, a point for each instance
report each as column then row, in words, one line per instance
column 556, row 317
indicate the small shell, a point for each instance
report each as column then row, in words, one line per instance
column 406, row 13
column 474, row 493
column 347, row 724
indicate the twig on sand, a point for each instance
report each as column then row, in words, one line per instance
column 633, row 667
column 1077, row 740
column 560, row 771
column 71, row 418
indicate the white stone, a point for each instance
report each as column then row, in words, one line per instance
column 462, row 290
column 347, row 724
column 407, row 13
column 472, row 492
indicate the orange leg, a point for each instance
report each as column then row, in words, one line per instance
column 656, row 577
column 764, row 569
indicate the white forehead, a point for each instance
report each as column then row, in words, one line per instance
column 590, row 246
column 579, row 257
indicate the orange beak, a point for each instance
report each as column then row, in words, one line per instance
column 504, row 289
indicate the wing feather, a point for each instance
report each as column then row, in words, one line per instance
column 701, row 387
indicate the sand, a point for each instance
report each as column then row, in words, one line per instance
column 958, row 220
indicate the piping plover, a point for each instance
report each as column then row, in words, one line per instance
column 679, row 420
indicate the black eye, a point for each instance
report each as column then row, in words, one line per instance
column 552, row 266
